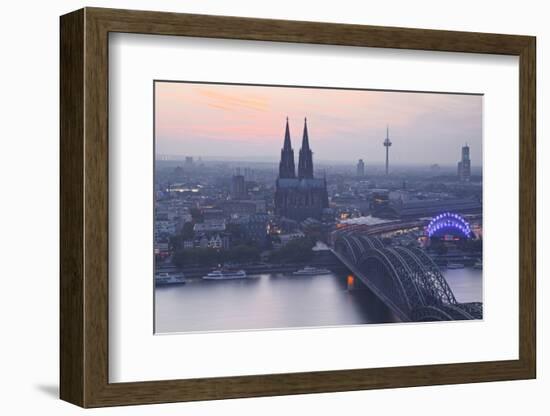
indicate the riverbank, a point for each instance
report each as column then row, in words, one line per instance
column 252, row 269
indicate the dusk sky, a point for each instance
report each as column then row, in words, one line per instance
column 248, row 122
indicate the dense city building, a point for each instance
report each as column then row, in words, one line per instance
column 299, row 196
column 242, row 207
column 464, row 164
column 255, row 228
column 385, row 207
column 238, row 187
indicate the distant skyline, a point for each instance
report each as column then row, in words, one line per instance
column 242, row 121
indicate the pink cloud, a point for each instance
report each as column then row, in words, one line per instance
column 338, row 120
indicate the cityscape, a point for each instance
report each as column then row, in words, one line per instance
column 297, row 237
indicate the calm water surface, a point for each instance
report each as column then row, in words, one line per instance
column 466, row 284
column 282, row 301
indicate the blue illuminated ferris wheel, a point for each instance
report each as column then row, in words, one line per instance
column 449, row 223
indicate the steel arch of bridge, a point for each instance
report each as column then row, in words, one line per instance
column 408, row 279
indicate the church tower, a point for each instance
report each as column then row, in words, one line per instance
column 302, row 197
column 305, row 161
column 286, row 165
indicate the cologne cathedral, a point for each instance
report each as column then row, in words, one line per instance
column 299, row 196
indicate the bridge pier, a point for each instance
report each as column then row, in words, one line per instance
column 350, row 282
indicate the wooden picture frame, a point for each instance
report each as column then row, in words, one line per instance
column 84, row 207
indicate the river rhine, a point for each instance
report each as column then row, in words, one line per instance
column 270, row 301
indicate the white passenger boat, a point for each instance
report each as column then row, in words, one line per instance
column 452, row 266
column 225, row 274
column 165, row 278
column 311, row 271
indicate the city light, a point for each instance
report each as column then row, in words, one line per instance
column 449, row 220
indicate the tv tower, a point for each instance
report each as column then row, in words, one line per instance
column 387, row 145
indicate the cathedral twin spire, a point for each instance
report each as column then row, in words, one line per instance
column 305, row 160
column 286, row 165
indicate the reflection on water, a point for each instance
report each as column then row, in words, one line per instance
column 265, row 301
column 280, row 301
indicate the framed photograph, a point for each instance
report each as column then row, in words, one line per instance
column 255, row 207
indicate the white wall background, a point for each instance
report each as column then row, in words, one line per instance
column 29, row 159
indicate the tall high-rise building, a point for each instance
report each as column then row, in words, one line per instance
column 303, row 196
column 360, row 168
column 238, row 186
column 464, row 170
column 387, row 144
